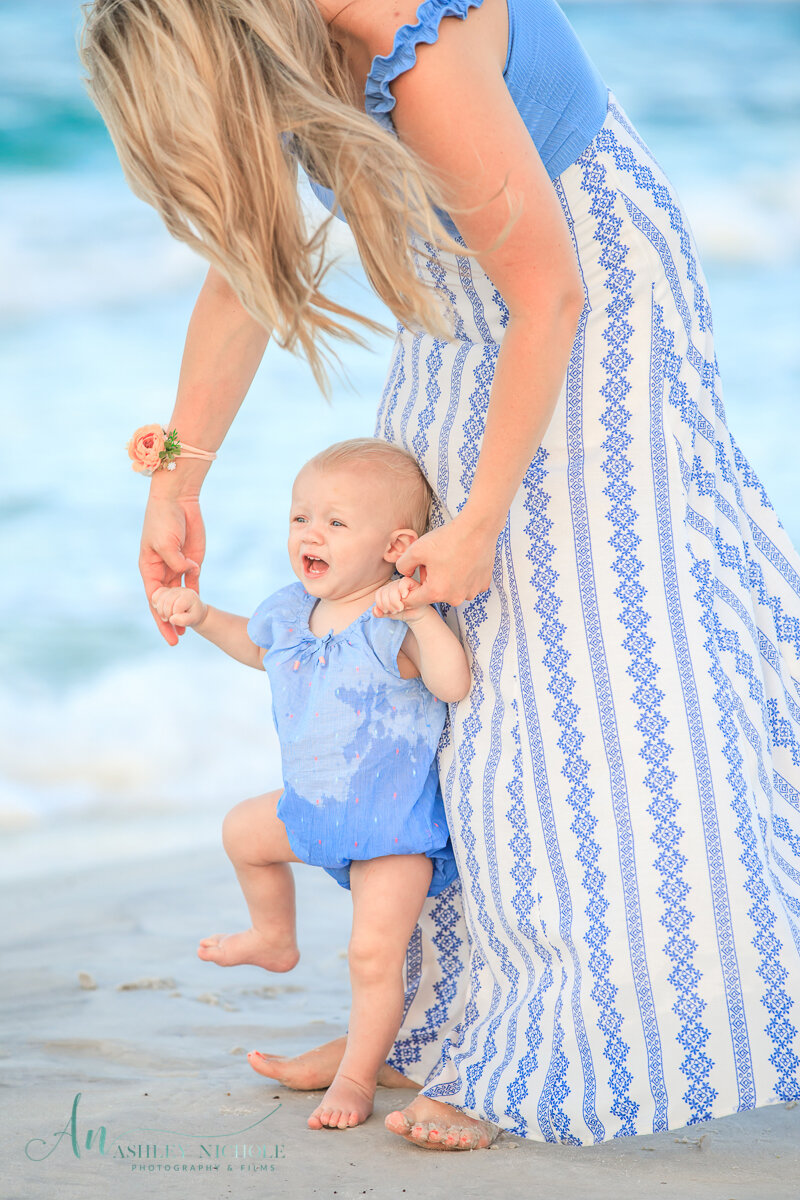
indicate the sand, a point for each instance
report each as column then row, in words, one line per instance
column 111, row 1024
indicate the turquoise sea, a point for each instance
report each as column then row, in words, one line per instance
column 112, row 744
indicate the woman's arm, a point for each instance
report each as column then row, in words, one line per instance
column 454, row 109
column 224, row 346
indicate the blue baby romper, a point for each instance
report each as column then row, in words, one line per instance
column 358, row 742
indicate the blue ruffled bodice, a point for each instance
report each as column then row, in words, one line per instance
column 358, row 741
column 556, row 89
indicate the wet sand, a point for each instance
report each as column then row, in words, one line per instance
column 124, row 1070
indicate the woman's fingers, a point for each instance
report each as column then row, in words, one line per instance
column 419, row 597
column 192, row 575
column 172, row 549
column 438, row 589
column 176, row 561
column 454, row 564
column 153, row 578
column 429, row 593
column 411, row 558
column 164, row 569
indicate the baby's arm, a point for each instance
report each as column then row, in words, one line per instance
column 184, row 608
column 430, row 644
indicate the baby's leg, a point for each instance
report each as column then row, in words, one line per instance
column 388, row 894
column 255, row 840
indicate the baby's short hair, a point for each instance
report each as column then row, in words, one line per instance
column 411, row 488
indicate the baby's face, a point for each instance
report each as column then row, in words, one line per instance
column 341, row 525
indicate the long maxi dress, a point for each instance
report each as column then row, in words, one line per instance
column 622, row 783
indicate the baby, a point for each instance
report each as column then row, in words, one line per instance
column 359, row 705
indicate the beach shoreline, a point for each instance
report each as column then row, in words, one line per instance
column 117, row 1033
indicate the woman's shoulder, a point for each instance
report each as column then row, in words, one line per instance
column 372, row 23
column 381, row 27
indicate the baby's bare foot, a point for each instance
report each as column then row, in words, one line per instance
column 345, row 1104
column 317, row 1068
column 250, row 946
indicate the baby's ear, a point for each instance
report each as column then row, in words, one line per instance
column 399, row 542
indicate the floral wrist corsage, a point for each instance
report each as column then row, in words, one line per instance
column 153, row 449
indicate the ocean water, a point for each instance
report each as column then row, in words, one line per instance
column 113, row 744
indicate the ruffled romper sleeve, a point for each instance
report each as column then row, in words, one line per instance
column 383, row 638
column 276, row 616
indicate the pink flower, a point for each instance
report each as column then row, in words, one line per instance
column 145, row 447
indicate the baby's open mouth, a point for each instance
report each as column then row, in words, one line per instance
column 314, row 566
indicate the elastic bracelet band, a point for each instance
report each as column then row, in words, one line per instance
column 153, row 449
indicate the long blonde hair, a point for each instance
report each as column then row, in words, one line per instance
column 210, row 103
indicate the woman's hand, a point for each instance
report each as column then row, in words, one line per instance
column 455, row 563
column 172, row 549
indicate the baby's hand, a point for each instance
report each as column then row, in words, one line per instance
column 390, row 600
column 180, row 606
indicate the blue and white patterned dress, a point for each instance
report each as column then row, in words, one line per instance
column 622, row 784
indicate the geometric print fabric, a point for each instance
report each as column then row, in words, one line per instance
column 622, row 784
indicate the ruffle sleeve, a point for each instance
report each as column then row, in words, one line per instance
column 386, row 67
column 279, row 614
column 383, row 637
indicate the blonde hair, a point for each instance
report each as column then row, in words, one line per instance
column 210, row 104
column 411, row 489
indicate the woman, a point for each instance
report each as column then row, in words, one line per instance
column 623, row 781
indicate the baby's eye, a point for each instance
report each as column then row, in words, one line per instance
column 337, row 524
column 298, row 520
